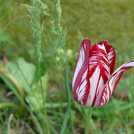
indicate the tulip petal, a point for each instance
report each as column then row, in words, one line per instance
column 110, row 54
column 80, row 79
column 113, row 81
column 99, row 73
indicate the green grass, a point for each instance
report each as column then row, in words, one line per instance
column 94, row 19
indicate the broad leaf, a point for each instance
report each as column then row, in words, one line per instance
column 23, row 72
column 34, row 98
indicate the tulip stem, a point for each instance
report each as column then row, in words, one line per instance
column 89, row 114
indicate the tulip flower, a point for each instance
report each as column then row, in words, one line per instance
column 94, row 78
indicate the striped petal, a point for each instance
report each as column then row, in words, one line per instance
column 99, row 73
column 90, row 74
column 113, row 81
column 80, row 76
column 110, row 54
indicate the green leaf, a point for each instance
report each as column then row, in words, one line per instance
column 23, row 72
column 34, row 98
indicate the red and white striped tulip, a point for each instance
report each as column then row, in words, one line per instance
column 94, row 78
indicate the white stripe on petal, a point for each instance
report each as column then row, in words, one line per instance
column 84, row 75
column 100, row 89
column 79, row 65
column 93, row 86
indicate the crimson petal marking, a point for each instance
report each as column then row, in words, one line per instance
column 113, row 81
column 111, row 57
column 99, row 73
column 110, row 54
column 80, row 82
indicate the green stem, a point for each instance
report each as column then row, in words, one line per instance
column 68, row 111
column 69, row 96
column 43, row 96
column 37, row 38
column 89, row 114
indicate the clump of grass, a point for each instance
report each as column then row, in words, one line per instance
column 56, row 39
column 37, row 29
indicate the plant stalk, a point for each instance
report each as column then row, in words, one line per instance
column 89, row 114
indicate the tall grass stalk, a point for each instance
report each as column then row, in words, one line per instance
column 59, row 44
column 69, row 97
column 37, row 38
column 58, row 41
column 68, row 111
